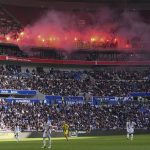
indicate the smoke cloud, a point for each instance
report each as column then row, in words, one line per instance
column 63, row 30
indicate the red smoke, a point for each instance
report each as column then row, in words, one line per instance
column 68, row 40
column 64, row 31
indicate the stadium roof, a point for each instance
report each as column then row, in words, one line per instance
column 81, row 4
column 90, row 5
column 90, row 1
column 98, row 1
column 34, row 8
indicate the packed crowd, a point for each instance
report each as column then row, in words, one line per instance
column 104, row 82
column 78, row 116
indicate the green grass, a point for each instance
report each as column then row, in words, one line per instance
column 140, row 142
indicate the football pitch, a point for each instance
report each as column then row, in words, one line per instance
column 140, row 142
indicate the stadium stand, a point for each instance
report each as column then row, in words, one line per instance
column 80, row 117
column 76, row 83
column 95, row 84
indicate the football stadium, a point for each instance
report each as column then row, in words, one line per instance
column 75, row 74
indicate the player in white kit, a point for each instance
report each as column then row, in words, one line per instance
column 16, row 132
column 47, row 133
column 130, row 129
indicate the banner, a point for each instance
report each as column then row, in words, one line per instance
column 51, row 99
column 97, row 100
column 18, row 92
column 140, row 94
column 21, row 100
column 73, row 62
column 111, row 100
column 74, row 99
